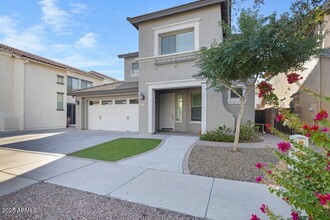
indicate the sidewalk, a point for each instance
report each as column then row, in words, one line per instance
column 194, row 195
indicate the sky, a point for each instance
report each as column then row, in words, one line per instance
column 87, row 34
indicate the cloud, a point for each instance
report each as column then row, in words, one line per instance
column 77, row 8
column 29, row 39
column 88, row 40
column 80, row 61
column 54, row 16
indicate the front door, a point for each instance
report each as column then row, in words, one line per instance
column 71, row 113
column 167, row 111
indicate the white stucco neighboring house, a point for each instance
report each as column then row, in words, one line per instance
column 33, row 90
column 159, row 92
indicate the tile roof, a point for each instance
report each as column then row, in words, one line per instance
column 44, row 60
column 110, row 88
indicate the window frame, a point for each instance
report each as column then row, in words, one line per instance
column 71, row 78
column 81, row 82
column 176, row 27
column 196, row 106
column 121, row 103
column 59, row 108
column 133, row 101
column 176, row 34
column 138, row 70
column 60, row 77
column 237, row 100
column 107, row 102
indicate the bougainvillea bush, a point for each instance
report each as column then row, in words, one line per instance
column 304, row 180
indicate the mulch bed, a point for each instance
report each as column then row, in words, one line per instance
column 221, row 162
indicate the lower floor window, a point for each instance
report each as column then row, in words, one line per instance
column 60, row 97
column 196, row 107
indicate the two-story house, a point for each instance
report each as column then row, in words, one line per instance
column 33, row 90
column 160, row 92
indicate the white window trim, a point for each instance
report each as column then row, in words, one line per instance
column 235, row 101
column 134, row 74
column 194, row 23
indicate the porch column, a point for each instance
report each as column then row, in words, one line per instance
column 204, row 107
column 151, row 110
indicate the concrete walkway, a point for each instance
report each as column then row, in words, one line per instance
column 194, row 195
column 168, row 157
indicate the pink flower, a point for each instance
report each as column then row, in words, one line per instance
column 328, row 166
column 325, row 130
column 321, row 115
column 254, row 217
column 315, row 128
column 306, row 127
column 268, row 125
column 264, row 88
column 284, row 146
column 258, row 179
column 294, row 216
column 279, row 117
column 263, row 208
column 269, row 172
column 293, row 77
column 260, row 165
column 308, row 135
column 324, row 198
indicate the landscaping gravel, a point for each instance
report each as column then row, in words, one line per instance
column 48, row 201
column 221, row 162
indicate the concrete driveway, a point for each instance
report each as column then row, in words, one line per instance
column 62, row 141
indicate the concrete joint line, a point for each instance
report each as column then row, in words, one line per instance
column 127, row 182
column 32, row 152
column 2, row 171
column 208, row 202
column 69, row 171
column 26, row 164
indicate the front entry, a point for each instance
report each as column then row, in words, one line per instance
column 167, row 111
column 71, row 113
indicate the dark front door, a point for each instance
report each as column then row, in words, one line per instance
column 71, row 113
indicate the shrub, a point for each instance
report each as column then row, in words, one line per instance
column 249, row 132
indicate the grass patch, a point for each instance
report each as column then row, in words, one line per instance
column 118, row 149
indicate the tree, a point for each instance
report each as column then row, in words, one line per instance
column 261, row 45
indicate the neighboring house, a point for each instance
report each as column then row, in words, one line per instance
column 34, row 90
column 159, row 92
column 316, row 76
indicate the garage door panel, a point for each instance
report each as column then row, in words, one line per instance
column 122, row 117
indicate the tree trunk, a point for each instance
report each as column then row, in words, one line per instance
column 238, row 124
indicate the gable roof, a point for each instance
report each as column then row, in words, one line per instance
column 225, row 11
column 121, row 87
column 33, row 57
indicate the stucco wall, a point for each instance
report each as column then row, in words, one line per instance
column 41, row 97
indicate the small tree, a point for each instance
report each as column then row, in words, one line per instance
column 261, row 45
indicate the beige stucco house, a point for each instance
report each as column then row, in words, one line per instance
column 159, row 92
column 316, row 76
column 33, row 90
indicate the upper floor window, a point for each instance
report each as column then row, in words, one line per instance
column 86, row 84
column 176, row 43
column 60, row 79
column 73, row 83
column 135, row 69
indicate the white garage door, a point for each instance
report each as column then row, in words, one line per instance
column 114, row 115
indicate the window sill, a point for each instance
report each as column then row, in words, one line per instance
column 59, row 109
column 178, row 122
column 60, row 83
column 134, row 75
column 234, row 102
column 195, row 122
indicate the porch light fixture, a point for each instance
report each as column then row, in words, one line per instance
column 142, row 96
column 75, row 99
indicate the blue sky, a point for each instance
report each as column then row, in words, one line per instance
column 87, row 34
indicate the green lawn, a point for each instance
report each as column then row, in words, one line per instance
column 118, row 149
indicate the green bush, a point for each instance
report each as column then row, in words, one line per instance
column 248, row 132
